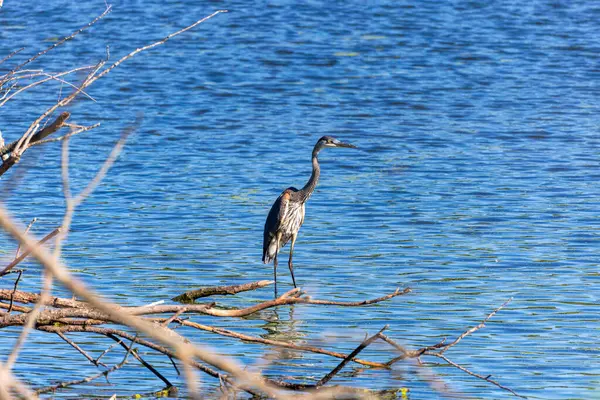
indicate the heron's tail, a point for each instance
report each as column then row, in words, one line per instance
column 270, row 251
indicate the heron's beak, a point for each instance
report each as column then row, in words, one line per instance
column 342, row 144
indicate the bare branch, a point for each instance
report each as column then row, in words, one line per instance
column 12, row 295
column 475, row 328
column 26, row 231
column 156, row 332
column 27, row 252
column 14, row 52
column 278, row 343
column 485, row 378
column 17, row 147
column 291, row 298
column 350, row 356
column 78, row 130
column 63, row 40
column 136, row 51
column 189, row 297
column 79, row 349
column 31, row 320
column 131, row 350
column 41, row 81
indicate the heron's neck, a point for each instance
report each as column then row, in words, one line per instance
column 310, row 186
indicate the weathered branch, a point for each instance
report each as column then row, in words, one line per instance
column 78, row 309
column 62, row 385
column 292, row 297
column 190, row 296
column 131, row 350
column 58, row 123
column 350, row 356
column 79, row 349
column 278, row 343
column 143, row 342
column 14, row 53
column 38, row 136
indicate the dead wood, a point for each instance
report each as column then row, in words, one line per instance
column 146, row 364
column 190, row 296
column 15, row 156
column 277, row 343
column 293, row 297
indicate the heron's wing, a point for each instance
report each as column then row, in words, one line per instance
column 274, row 219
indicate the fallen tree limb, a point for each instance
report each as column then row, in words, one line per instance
column 189, row 297
column 278, row 343
column 293, row 297
column 161, row 349
column 77, row 309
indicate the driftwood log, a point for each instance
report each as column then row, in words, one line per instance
column 189, row 297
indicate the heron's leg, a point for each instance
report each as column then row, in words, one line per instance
column 290, row 261
column 275, row 262
column 275, row 272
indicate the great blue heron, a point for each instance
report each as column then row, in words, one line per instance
column 287, row 213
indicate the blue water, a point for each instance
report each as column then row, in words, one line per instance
column 476, row 180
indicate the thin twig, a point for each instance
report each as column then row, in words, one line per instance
column 485, row 378
column 109, row 348
column 80, row 129
column 13, row 53
column 12, row 295
column 173, row 317
column 63, row 40
column 26, row 232
column 350, row 356
column 79, row 349
column 27, row 252
column 475, row 328
column 140, row 359
column 136, row 51
column 80, row 381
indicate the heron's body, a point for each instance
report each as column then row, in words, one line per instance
column 286, row 216
column 287, row 213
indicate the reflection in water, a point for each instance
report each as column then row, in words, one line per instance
column 282, row 329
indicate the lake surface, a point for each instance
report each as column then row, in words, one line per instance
column 476, row 180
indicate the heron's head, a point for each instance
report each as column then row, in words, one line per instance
column 328, row 141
